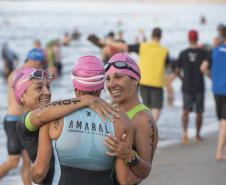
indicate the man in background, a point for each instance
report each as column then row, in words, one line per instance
column 189, row 62
column 216, row 62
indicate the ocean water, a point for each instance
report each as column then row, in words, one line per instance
column 22, row 22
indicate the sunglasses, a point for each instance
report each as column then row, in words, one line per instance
column 120, row 65
column 40, row 74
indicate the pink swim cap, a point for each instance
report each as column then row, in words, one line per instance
column 21, row 82
column 23, row 79
column 88, row 74
column 124, row 57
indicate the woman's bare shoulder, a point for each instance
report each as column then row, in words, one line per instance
column 143, row 119
column 122, row 124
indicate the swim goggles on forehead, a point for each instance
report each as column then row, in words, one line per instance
column 120, row 65
column 40, row 74
column 36, row 74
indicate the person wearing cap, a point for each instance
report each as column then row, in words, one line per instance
column 79, row 135
column 122, row 81
column 31, row 89
column 153, row 58
column 35, row 59
column 189, row 61
column 216, row 62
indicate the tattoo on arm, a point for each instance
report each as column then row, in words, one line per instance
column 152, row 137
column 63, row 102
column 56, row 124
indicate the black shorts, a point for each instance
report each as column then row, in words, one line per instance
column 152, row 96
column 14, row 145
column 29, row 140
column 220, row 106
column 191, row 101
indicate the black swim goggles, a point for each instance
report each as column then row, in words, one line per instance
column 120, row 65
column 40, row 74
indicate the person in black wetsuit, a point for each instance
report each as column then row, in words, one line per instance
column 10, row 60
column 31, row 89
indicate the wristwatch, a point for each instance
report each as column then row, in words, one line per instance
column 134, row 161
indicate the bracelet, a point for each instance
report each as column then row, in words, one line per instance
column 134, row 161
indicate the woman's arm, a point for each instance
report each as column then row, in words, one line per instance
column 41, row 165
column 118, row 45
column 204, row 68
column 146, row 137
column 123, row 173
column 58, row 109
column 123, row 139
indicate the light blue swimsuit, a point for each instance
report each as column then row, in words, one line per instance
column 81, row 144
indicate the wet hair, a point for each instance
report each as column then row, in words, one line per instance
column 157, row 33
column 220, row 26
column 224, row 32
column 111, row 34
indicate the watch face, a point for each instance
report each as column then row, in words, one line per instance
column 134, row 161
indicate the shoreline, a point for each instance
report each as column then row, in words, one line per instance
column 205, row 132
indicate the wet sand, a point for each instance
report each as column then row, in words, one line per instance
column 192, row 164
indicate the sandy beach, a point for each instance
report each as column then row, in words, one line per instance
column 193, row 164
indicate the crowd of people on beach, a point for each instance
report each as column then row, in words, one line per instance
column 88, row 140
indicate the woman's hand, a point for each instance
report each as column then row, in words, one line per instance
column 119, row 147
column 102, row 108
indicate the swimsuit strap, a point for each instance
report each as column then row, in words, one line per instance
column 132, row 112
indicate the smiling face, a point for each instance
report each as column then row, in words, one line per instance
column 121, row 87
column 37, row 94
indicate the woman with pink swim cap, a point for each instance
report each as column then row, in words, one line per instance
column 31, row 89
column 122, row 81
column 80, row 136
